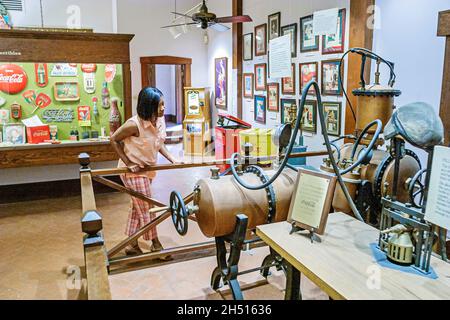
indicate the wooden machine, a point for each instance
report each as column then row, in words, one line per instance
column 197, row 121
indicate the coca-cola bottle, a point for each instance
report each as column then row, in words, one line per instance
column 114, row 117
column 106, row 101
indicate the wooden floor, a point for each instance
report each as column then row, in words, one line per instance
column 41, row 251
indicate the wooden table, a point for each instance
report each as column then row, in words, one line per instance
column 342, row 265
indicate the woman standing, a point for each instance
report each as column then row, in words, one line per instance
column 137, row 143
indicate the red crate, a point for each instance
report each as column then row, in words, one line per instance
column 38, row 134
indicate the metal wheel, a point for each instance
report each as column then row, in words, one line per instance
column 416, row 188
column 179, row 213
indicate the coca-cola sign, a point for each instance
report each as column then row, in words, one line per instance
column 13, row 79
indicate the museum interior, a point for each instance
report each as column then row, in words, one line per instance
column 224, row 150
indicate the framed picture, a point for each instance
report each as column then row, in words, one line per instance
column 308, row 72
column 260, row 109
column 309, row 118
column 14, row 133
column 334, row 43
column 4, row 116
column 292, row 30
column 248, row 46
column 273, row 95
column 332, row 113
column 274, row 25
column 288, row 84
column 261, row 76
column 308, row 42
column 67, row 91
column 330, row 78
column 248, row 85
column 288, row 112
column 260, row 40
column 221, row 82
column 311, row 201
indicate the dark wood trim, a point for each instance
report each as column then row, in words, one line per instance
column 170, row 118
column 165, row 60
column 444, row 30
column 360, row 36
column 49, row 190
column 238, row 53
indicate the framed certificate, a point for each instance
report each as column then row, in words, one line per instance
column 311, row 202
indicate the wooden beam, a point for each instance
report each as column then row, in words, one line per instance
column 444, row 30
column 97, row 274
column 87, row 193
column 237, row 54
column 360, row 36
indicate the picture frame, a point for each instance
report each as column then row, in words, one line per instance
column 66, row 91
column 311, row 200
column 288, row 86
column 309, row 118
column 273, row 97
column 285, row 105
column 330, row 78
column 274, row 26
column 221, row 82
column 260, row 40
column 4, row 116
column 14, row 133
column 332, row 112
column 260, row 109
column 308, row 71
column 247, row 46
column 249, row 79
column 335, row 43
column 308, row 42
column 292, row 30
column 260, row 76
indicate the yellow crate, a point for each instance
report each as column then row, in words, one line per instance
column 261, row 140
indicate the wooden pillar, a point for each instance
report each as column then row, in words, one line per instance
column 444, row 31
column 237, row 53
column 360, row 36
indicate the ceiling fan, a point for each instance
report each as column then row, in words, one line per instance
column 205, row 19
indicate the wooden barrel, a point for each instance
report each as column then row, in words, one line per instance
column 221, row 200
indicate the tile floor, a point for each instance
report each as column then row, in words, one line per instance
column 41, row 251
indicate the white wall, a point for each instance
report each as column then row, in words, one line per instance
column 407, row 36
column 165, row 81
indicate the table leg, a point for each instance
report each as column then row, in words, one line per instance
column 292, row 282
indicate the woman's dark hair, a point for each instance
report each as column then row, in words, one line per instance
column 148, row 103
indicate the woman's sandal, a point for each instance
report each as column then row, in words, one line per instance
column 133, row 250
column 166, row 257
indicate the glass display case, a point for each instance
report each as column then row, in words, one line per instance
column 61, row 93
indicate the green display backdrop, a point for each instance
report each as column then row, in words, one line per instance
column 116, row 90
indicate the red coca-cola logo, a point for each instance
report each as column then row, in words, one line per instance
column 13, row 79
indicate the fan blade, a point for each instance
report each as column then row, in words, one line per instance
column 234, row 19
column 182, row 14
column 179, row 25
column 219, row 27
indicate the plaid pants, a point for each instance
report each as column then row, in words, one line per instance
column 139, row 215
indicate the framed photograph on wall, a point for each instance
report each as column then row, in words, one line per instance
column 330, row 78
column 308, row 72
column 260, row 109
column 221, row 82
column 248, row 85
column 332, row 113
column 334, row 43
column 288, row 84
column 14, row 134
column 308, row 42
column 287, row 110
column 273, row 97
column 248, row 46
column 292, row 30
column 309, row 118
column 260, row 40
column 274, row 21
column 260, row 76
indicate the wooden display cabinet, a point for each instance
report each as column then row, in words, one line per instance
column 197, row 121
column 71, row 47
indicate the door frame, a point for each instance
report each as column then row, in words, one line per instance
column 185, row 63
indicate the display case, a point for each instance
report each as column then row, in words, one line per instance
column 197, row 122
column 61, row 94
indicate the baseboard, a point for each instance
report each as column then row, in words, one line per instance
column 49, row 190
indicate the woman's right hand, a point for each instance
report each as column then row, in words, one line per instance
column 133, row 167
